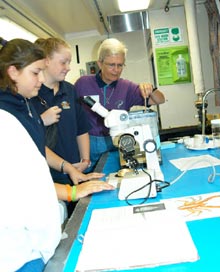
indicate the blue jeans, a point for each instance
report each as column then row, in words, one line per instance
column 98, row 146
column 33, row 266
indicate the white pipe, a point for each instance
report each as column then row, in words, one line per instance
column 190, row 10
column 218, row 5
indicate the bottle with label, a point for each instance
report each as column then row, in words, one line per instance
column 181, row 66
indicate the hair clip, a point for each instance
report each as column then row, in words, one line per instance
column 3, row 42
column 80, row 238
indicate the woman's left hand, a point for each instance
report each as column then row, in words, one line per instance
column 146, row 89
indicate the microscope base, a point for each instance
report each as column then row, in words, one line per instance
column 131, row 182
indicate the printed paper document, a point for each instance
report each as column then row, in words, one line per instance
column 135, row 236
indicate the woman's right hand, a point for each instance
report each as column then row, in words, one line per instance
column 51, row 116
column 90, row 187
column 82, row 190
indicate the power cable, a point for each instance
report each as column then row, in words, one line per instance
column 101, row 18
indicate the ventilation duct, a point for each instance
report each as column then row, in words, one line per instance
column 128, row 22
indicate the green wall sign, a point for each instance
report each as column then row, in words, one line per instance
column 173, row 65
column 167, row 35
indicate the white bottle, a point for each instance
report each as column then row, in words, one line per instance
column 181, row 66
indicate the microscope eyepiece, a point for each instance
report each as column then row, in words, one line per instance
column 89, row 101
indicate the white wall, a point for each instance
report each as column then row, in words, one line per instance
column 87, row 48
column 179, row 108
column 137, row 65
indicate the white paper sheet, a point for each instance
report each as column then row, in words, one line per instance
column 118, row 238
column 195, row 162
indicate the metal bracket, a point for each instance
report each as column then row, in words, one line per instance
column 166, row 8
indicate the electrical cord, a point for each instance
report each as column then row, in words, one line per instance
column 160, row 184
column 211, row 177
column 139, row 189
column 158, row 188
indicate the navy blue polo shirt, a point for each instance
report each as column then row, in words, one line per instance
column 73, row 121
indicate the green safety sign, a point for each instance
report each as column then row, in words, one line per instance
column 167, row 35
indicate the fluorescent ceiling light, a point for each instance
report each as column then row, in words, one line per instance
column 131, row 5
column 10, row 30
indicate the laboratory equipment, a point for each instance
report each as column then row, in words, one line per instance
column 126, row 134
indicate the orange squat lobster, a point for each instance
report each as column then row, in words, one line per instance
column 197, row 206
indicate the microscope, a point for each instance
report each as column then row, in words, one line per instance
column 126, row 135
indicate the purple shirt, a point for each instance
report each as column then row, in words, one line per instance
column 121, row 94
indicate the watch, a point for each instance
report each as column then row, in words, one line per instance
column 87, row 161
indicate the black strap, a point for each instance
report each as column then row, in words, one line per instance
column 51, row 130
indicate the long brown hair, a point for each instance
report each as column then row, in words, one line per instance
column 19, row 53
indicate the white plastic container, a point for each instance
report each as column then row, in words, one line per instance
column 181, row 66
column 215, row 124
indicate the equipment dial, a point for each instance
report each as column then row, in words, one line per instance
column 150, row 146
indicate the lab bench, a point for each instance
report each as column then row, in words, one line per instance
column 205, row 232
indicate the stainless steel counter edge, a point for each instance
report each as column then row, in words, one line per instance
column 57, row 262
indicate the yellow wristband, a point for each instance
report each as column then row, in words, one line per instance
column 73, row 193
